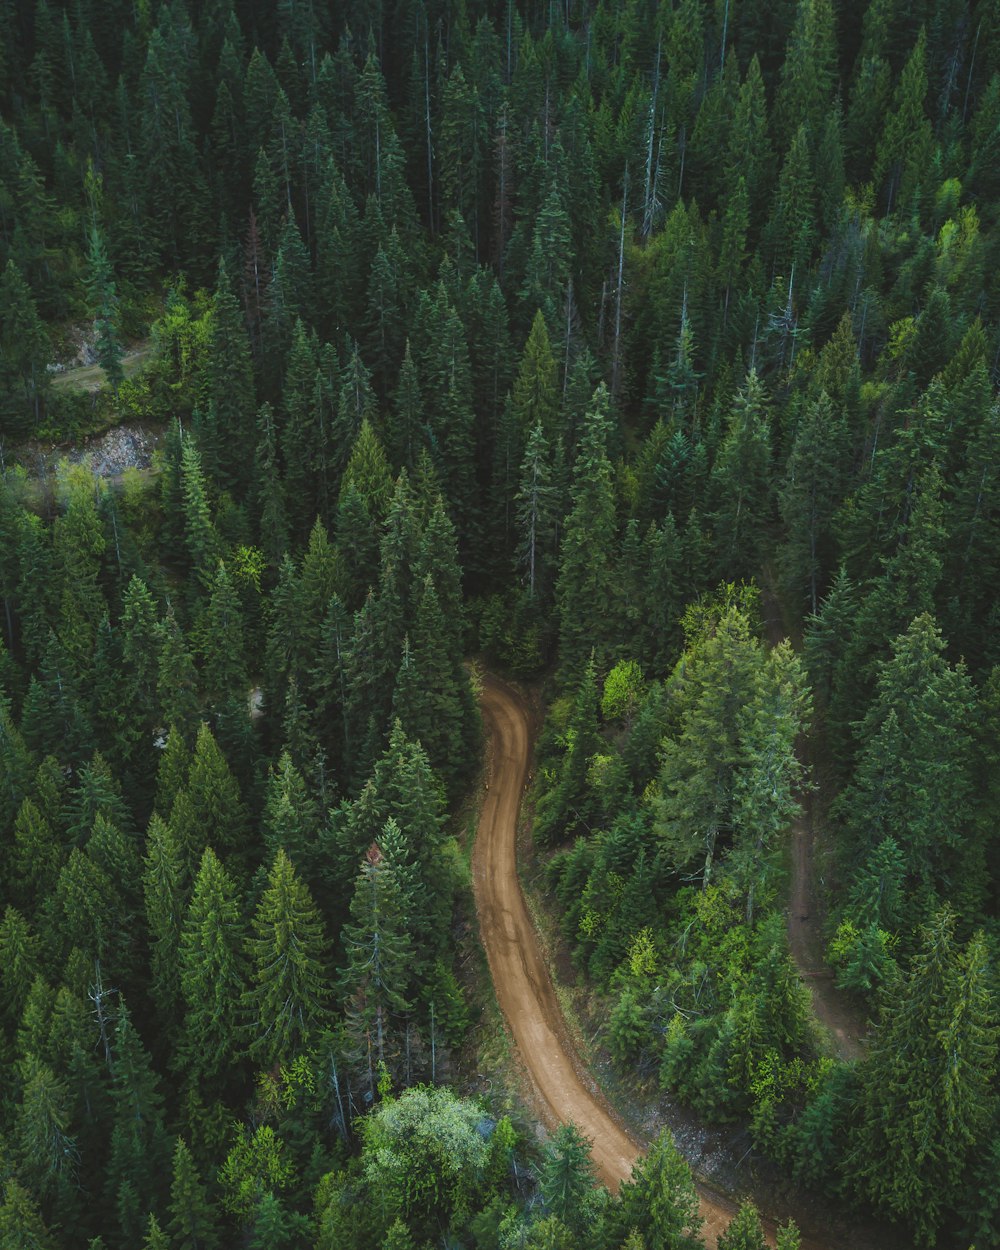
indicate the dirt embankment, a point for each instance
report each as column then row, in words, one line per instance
column 524, row 989
column 107, row 455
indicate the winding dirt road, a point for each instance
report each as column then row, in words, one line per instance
column 521, row 978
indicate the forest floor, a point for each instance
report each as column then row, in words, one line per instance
column 563, row 1089
column 838, row 1015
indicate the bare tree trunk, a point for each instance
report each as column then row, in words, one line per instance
column 427, row 131
column 616, row 358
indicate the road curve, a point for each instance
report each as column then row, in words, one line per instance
column 521, row 978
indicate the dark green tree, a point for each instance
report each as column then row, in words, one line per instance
column 286, row 1003
column 926, row 1097
column 103, row 295
column 211, row 973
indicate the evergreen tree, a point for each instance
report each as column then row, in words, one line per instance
column 24, row 352
column 744, row 1231
column 585, row 589
column 138, row 1164
column 192, row 1219
column 741, row 482
column 926, row 1089
column 660, row 1200
column 104, row 305
column 567, row 1179
column 536, row 519
column 376, row 976
column 914, row 776
column 164, row 886
column 211, row 973
column 809, row 496
column 285, row 1005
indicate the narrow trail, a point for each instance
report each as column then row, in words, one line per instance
column 521, row 978
column 831, row 1006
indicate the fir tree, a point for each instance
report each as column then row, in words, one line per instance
column 285, row 1005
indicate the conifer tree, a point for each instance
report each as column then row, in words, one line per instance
column 660, row 1200
column 285, row 1005
column 741, row 481
column 744, row 1231
column 104, row 305
column 914, row 776
column 199, row 532
column 138, row 1164
column 585, row 589
column 192, row 1219
column 19, row 963
column 211, row 973
column 536, row 519
column 376, row 977
column 925, row 1096
column 165, row 886
column 24, row 351
column 810, row 494
column 291, row 816
column 220, row 817
column 567, row 1179
column 47, row 1152
column 20, row 1221
column 535, row 394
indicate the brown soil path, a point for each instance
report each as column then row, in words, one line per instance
column 831, row 1007
column 521, row 978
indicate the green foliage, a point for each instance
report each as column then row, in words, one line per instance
column 425, row 1159
column 750, row 254
column 286, row 1002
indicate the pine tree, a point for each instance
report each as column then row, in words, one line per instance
column 744, row 1231
column 291, row 816
column 165, row 886
column 219, row 815
column 24, row 352
column 104, row 305
column 19, row 963
column 741, row 482
column 202, row 540
column 285, row 1006
column 567, row 1179
column 913, row 781
column 211, row 973
column 139, row 1160
column 585, row 588
column 809, row 496
column 904, row 152
column 230, row 383
column 536, row 519
column 192, row 1219
column 20, row 1221
column 535, row 394
column 926, row 1099
column 809, row 75
column 660, row 1200
column 48, row 1155
column 223, row 650
column 376, row 977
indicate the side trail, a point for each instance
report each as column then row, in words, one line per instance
column 831, row 1007
column 521, row 979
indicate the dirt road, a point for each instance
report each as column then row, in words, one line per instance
column 523, row 986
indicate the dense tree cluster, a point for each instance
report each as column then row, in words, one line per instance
column 548, row 333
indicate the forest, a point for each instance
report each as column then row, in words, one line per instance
column 644, row 353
